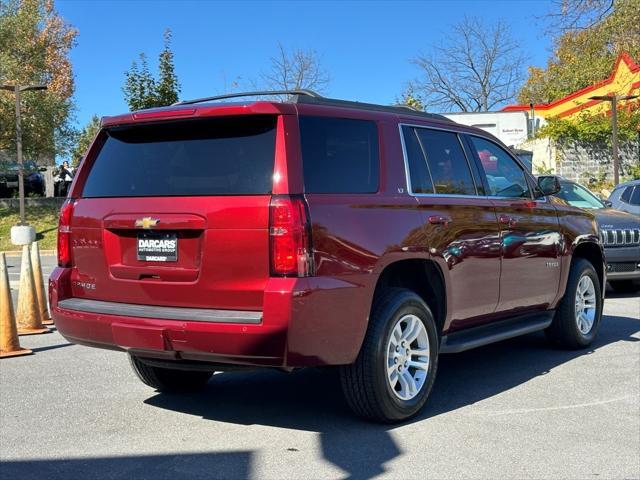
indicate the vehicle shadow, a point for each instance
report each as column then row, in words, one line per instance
column 311, row 400
column 195, row 466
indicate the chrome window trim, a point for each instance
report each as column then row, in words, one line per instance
column 407, row 173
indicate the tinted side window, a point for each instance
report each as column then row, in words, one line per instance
column 339, row 155
column 418, row 171
column 626, row 195
column 635, row 196
column 504, row 175
column 447, row 162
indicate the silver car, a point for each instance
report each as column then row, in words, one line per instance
column 626, row 197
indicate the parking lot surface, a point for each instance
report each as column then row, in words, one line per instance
column 517, row 409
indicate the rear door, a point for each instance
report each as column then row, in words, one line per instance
column 529, row 229
column 176, row 214
column 459, row 224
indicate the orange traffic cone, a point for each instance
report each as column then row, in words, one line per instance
column 37, row 279
column 9, row 342
column 28, row 313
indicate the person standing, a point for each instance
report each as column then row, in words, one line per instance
column 66, row 177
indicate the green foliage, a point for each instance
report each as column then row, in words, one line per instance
column 598, row 182
column 84, row 139
column 584, row 56
column 592, row 128
column 634, row 172
column 143, row 90
column 140, row 87
column 167, row 87
column 410, row 99
column 34, row 49
column 543, row 170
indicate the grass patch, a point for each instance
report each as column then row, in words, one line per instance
column 43, row 219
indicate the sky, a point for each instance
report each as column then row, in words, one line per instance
column 366, row 46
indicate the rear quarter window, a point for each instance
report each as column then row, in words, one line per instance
column 339, row 155
column 221, row 156
column 626, row 195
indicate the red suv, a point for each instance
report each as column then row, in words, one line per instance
column 315, row 232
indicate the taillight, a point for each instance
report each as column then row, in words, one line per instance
column 290, row 236
column 64, row 234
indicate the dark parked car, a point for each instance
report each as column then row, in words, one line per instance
column 619, row 232
column 33, row 179
column 211, row 236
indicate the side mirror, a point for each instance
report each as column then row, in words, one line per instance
column 607, row 203
column 549, row 184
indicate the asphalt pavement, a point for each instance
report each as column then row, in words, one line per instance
column 518, row 409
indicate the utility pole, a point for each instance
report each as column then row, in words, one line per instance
column 17, row 89
column 614, row 99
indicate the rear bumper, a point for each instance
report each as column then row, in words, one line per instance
column 623, row 263
column 305, row 321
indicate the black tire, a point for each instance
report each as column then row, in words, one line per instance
column 167, row 379
column 364, row 383
column 564, row 331
column 625, row 286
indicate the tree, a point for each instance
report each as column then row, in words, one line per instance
column 584, row 55
column 142, row 90
column 34, row 49
column 409, row 99
column 167, row 87
column 84, row 139
column 476, row 68
column 140, row 86
column 577, row 14
column 296, row 70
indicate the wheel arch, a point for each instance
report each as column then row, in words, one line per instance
column 594, row 254
column 422, row 276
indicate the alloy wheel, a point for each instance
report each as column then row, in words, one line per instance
column 407, row 357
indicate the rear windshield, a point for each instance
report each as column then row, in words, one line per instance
column 222, row 156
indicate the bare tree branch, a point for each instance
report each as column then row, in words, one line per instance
column 475, row 68
column 571, row 15
column 296, row 70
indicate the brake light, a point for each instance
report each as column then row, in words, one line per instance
column 290, row 236
column 164, row 113
column 64, row 234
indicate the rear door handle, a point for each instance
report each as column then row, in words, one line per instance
column 439, row 220
column 507, row 220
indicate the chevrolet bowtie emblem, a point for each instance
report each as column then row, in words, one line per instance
column 147, row 222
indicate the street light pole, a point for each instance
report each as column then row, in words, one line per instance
column 19, row 157
column 17, row 89
column 614, row 140
column 614, row 129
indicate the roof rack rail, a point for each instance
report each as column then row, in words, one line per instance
column 312, row 98
column 304, row 92
column 397, row 109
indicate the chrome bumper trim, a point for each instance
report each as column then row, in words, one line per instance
column 165, row 313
